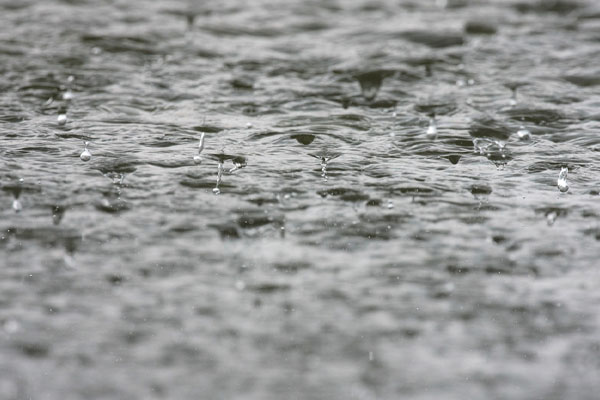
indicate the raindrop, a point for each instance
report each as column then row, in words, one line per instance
column 523, row 133
column 62, row 119
column 85, row 155
column 563, row 186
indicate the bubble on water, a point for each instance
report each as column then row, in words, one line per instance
column 563, row 186
column 471, row 82
column 432, row 129
column 523, row 133
column 390, row 204
column 62, row 119
column 85, row 155
column 68, row 95
column 16, row 205
column 249, row 125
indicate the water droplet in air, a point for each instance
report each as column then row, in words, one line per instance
column 68, row 95
column 197, row 160
column 563, row 186
column 240, row 285
column 62, row 119
column 86, row 155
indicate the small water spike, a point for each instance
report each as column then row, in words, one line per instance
column 16, row 205
column 57, row 214
column 563, row 186
column 324, row 162
column 514, row 86
column 370, row 82
column 85, row 155
column 16, row 192
column 324, row 159
column 216, row 190
column 523, row 133
column 432, row 129
column 68, row 94
column 198, row 157
column 62, row 119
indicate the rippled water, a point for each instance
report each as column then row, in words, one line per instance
column 386, row 234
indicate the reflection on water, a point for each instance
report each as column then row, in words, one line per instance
column 387, row 224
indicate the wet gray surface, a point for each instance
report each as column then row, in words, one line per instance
column 356, row 254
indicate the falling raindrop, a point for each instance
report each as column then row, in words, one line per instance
column 523, row 133
column 563, row 186
column 85, row 155
column 62, row 119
